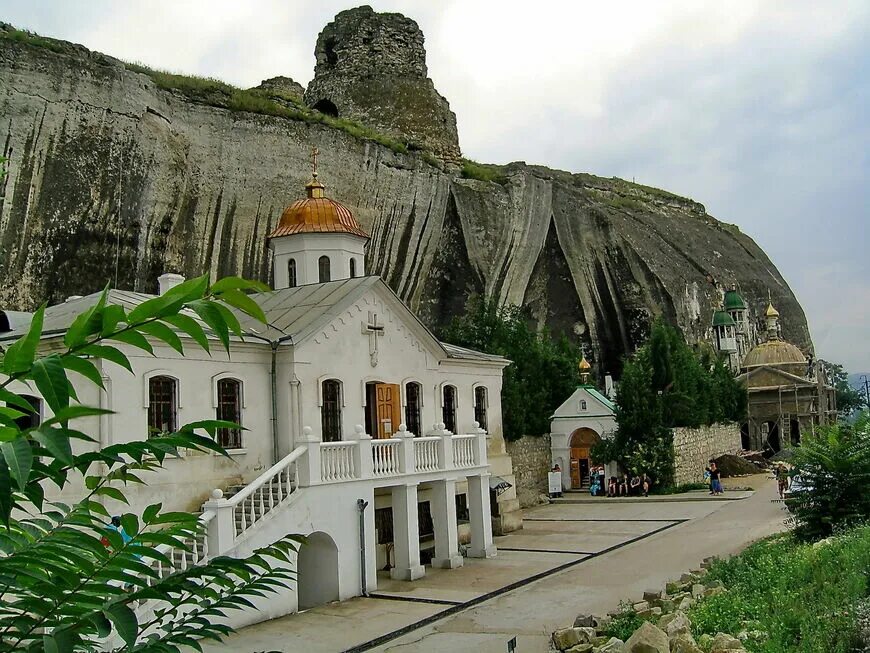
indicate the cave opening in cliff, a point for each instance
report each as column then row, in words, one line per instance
column 329, row 50
column 327, row 107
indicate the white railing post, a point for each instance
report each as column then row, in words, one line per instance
column 221, row 531
column 445, row 451
column 480, row 458
column 363, row 453
column 309, row 471
column 406, row 450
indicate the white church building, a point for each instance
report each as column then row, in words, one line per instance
column 361, row 429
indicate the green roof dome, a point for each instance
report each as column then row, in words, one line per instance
column 734, row 301
column 721, row 318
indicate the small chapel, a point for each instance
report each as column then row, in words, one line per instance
column 361, row 430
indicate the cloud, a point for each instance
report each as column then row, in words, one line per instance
column 755, row 108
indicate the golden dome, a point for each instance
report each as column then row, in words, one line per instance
column 584, row 365
column 317, row 214
column 771, row 311
column 777, row 353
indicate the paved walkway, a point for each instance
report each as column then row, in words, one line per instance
column 568, row 559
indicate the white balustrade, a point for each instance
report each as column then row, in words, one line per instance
column 195, row 550
column 385, row 457
column 269, row 491
column 426, row 457
column 337, row 461
column 463, row 450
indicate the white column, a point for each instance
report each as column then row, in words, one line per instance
column 481, row 519
column 309, row 467
column 407, row 456
column 406, row 534
column 443, row 504
column 363, row 453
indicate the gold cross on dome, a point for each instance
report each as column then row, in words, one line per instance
column 314, row 153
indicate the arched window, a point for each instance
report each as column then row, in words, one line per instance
column 229, row 408
column 162, row 405
column 33, row 418
column 413, row 408
column 323, row 268
column 480, row 402
column 583, row 405
column 291, row 273
column 448, row 408
column 352, row 268
column 330, row 411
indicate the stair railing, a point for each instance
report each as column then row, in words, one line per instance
column 257, row 499
column 196, row 551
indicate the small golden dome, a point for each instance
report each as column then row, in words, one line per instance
column 584, row 365
column 771, row 311
column 777, row 353
column 316, row 214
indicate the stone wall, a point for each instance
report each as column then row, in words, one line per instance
column 693, row 448
column 531, row 461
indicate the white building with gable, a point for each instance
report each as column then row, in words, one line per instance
column 361, row 429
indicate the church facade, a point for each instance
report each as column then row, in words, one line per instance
column 361, row 430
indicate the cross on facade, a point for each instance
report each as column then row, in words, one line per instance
column 374, row 331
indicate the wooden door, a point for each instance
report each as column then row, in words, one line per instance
column 575, row 474
column 387, row 409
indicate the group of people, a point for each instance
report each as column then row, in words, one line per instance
column 629, row 486
column 713, row 476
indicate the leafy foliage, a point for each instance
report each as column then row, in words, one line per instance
column 543, row 372
column 793, row 597
column 483, row 172
column 848, row 398
column 625, row 623
column 666, row 385
column 834, row 466
column 67, row 581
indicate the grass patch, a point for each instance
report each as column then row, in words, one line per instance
column 25, row 36
column 796, row 597
column 483, row 172
column 623, row 202
column 625, row 623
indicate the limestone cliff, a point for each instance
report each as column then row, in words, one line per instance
column 112, row 179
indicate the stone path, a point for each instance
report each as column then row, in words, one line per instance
column 569, row 558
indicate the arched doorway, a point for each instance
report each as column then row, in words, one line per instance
column 581, row 442
column 317, row 571
column 745, row 442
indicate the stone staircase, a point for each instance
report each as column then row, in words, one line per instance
column 264, row 498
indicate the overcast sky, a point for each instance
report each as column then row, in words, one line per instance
column 757, row 109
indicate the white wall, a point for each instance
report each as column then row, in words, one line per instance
column 307, row 249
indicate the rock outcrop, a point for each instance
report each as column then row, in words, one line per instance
column 371, row 67
column 113, row 179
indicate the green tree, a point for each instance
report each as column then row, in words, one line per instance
column 663, row 386
column 834, row 468
column 543, row 372
column 848, row 398
column 61, row 587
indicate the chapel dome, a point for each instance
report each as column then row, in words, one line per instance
column 777, row 353
column 317, row 214
column 734, row 301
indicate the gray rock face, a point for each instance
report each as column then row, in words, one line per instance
column 114, row 180
column 371, row 67
column 283, row 85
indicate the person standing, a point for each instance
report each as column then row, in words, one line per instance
column 647, row 483
column 715, row 482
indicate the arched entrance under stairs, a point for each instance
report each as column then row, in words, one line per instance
column 317, row 571
column 581, row 442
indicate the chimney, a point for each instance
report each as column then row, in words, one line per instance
column 168, row 281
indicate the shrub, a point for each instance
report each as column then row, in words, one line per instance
column 625, row 623
column 834, row 466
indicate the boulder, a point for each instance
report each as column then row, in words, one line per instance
column 565, row 638
column 672, row 588
column 688, row 578
column 580, row 648
column 585, row 634
column 613, row 645
column 667, row 605
column 713, row 583
column 713, row 591
column 640, row 606
column 679, row 624
column 684, row 643
column 685, row 604
column 705, row 642
column 652, row 595
column 585, row 621
column 647, row 639
column 697, row 590
column 725, row 642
